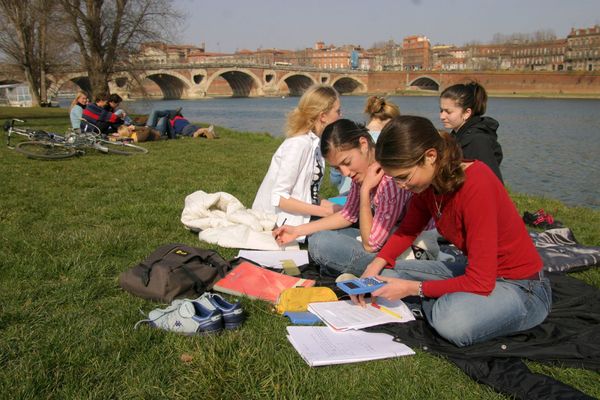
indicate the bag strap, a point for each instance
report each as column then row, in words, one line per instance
column 157, row 256
column 199, row 286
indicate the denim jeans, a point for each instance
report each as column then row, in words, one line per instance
column 467, row 318
column 338, row 251
column 159, row 119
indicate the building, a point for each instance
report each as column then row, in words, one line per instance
column 583, row 49
column 416, row 53
column 539, row 56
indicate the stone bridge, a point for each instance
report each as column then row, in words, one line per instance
column 187, row 81
column 193, row 81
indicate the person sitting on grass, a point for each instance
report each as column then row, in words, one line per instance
column 380, row 111
column 501, row 290
column 334, row 243
column 95, row 115
column 290, row 189
column 461, row 109
column 114, row 101
column 77, row 107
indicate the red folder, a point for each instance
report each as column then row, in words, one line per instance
column 258, row 283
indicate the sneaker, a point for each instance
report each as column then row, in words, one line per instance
column 185, row 317
column 233, row 315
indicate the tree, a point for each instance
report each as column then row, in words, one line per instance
column 107, row 31
column 25, row 29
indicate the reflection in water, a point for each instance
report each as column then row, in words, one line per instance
column 551, row 146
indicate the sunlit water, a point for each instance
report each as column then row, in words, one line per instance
column 551, row 146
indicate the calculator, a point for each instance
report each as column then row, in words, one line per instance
column 360, row 286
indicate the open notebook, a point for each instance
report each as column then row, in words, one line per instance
column 319, row 345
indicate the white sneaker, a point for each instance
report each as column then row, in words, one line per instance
column 185, row 317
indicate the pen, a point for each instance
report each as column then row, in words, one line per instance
column 385, row 310
column 282, row 224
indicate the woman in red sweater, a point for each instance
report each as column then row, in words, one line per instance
column 501, row 290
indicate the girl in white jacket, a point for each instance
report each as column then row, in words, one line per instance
column 291, row 187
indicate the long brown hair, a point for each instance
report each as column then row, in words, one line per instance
column 404, row 141
column 344, row 134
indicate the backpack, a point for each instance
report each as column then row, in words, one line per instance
column 174, row 270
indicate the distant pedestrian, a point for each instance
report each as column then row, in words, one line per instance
column 461, row 109
column 291, row 187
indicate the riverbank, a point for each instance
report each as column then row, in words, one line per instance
column 70, row 227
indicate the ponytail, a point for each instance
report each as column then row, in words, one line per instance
column 468, row 95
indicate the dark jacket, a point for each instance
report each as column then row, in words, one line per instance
column 106, row 121
column 478, row 140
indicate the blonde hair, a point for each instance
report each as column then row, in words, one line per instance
column 316, row 100
column 79, row 95
column 378, row 107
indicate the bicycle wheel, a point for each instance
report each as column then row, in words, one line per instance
column 122, row 148
column 45, row 150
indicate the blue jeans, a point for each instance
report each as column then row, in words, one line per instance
column 159, row 120
column 338, row 251
column 467, row 318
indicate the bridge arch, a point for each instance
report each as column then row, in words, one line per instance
column 425, row 83
column 78, row 78
column 297, row 82
column 348, row 84
column 243, row 82
column 173, row 85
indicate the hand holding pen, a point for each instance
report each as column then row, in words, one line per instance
column 284, row 234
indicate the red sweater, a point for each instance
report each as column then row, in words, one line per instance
column 481, row 220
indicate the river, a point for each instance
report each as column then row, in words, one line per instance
column 551, row 146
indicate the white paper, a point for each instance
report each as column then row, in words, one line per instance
column 344, row 315
column 321, row 346
column 275, row 259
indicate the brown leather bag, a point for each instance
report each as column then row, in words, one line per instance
column 174, row 270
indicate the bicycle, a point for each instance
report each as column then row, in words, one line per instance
column 40, row 144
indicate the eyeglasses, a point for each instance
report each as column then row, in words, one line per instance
column 405, row 181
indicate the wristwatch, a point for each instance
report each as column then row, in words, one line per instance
column 420, row 293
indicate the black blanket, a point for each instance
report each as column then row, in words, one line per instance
column 569, row 336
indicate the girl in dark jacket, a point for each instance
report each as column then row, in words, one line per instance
column 461, row 109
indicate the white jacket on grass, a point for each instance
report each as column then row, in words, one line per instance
column 222, row 219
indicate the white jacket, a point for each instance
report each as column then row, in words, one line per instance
column 290, row 175
column 221, row 219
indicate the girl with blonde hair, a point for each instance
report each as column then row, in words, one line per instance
column 291, row 187
column 77, row 106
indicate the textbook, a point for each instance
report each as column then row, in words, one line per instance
column 319, row 345
column 258, row 283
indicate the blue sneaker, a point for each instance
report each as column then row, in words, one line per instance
column 185, row 317
column 233, row 315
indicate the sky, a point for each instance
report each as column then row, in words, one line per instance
column 230, row 25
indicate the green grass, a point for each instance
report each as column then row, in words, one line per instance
column 68, row 228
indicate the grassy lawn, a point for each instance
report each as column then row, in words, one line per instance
column 68, row 228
